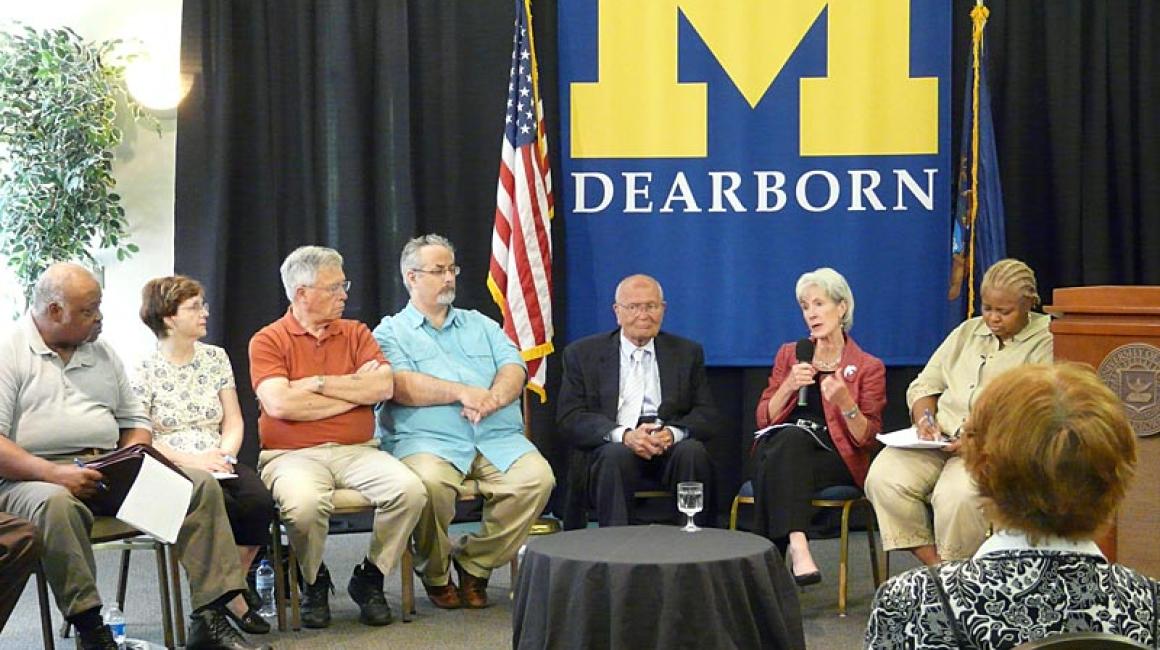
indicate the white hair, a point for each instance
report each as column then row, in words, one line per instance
column 834, row 286
column 300, row 268
column 635, row 278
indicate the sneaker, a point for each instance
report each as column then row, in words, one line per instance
column 366, row 589
column 209, row 630
column 98, row 638
column 316, row 600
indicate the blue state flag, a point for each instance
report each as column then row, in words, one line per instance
column 979, row 238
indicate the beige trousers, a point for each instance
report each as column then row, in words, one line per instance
column 205, row 544
column 901, row 484
column 512, row 501
column 303, row 482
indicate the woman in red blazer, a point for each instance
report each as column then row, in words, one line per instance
column 824, row 409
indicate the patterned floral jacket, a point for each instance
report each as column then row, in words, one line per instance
column 1010, row 593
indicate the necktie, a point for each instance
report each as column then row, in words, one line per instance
column 632, row 392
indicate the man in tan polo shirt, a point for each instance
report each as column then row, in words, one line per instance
column 317, row 375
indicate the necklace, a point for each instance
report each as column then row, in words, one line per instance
column 828, row 366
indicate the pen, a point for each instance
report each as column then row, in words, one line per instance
column 100, row 484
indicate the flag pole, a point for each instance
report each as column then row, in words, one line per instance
column 979, row 21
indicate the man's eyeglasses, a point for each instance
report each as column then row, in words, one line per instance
column 343, row 286
column 642, row 307
column 440, row 270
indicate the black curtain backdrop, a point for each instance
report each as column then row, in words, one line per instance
column 357, row 125
column 1074, row 87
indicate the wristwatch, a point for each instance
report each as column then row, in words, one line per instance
column 852, row 413
column 319, row 382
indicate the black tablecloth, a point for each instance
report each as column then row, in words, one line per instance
column 654, row 587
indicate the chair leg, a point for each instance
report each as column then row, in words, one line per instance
column 163, row 588
column 178, row 609
column 870, row 537
column 733, row 513
column 45, row 612
column 515, row 564
column 295, row 612
column 123, row 578
column 844, row 559
column 279, row 574
column 407, row 577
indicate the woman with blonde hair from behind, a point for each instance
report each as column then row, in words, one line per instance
column 1052, row 455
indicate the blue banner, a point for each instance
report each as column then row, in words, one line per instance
column 727, row 148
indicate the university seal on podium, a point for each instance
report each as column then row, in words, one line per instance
column 1132, row 371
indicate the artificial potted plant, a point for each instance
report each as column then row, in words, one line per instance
column 58, row 106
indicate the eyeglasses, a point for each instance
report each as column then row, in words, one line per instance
column 440, row 270
column 195, row 307
column 343, row 286
column 642, row 307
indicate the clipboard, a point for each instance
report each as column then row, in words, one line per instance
column 119, row 469
column 144, row 489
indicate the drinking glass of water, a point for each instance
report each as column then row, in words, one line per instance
column 690, row 500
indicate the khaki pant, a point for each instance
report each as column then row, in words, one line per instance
column 205, row 544
column 902, row 482
column 512, row 501
column 303, row 483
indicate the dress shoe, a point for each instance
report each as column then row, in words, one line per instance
column 209, row 630
column 253, row 600
column 366, row 590
column 316, row 600
column 250, row 622
column 445, row 596
column 806, row 579
column 472, row 590
column 98, row 638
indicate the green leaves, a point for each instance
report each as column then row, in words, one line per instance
column 58, row 98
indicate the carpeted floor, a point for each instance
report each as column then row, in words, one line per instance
column 434, row 628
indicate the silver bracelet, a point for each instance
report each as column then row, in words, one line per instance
column 852, row 413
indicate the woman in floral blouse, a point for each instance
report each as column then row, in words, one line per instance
column 188, row 389
column 1052, row 454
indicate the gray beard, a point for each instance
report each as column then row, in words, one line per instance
column 445, row 299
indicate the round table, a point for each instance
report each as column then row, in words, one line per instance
column 654, row 587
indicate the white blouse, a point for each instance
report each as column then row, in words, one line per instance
column 182, row 399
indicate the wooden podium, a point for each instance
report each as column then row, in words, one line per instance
column 1117, row 331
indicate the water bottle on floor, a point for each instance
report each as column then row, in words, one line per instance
column 116, row 622
column 264, row 582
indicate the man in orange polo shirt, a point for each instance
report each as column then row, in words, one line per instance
column 317, row 375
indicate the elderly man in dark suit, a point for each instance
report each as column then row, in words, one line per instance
column 636, row 405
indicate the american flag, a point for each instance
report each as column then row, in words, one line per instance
column 520, row 277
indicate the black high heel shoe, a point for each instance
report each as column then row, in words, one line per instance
column 805, row 579
column 251, row 622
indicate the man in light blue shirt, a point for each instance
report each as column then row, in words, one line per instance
column 455, row 417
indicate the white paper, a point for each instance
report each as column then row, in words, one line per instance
column 762, row 432
column 157, row 502
column 908, row 439
column 221, row 476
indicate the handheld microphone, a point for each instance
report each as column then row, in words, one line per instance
column 805, row 354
